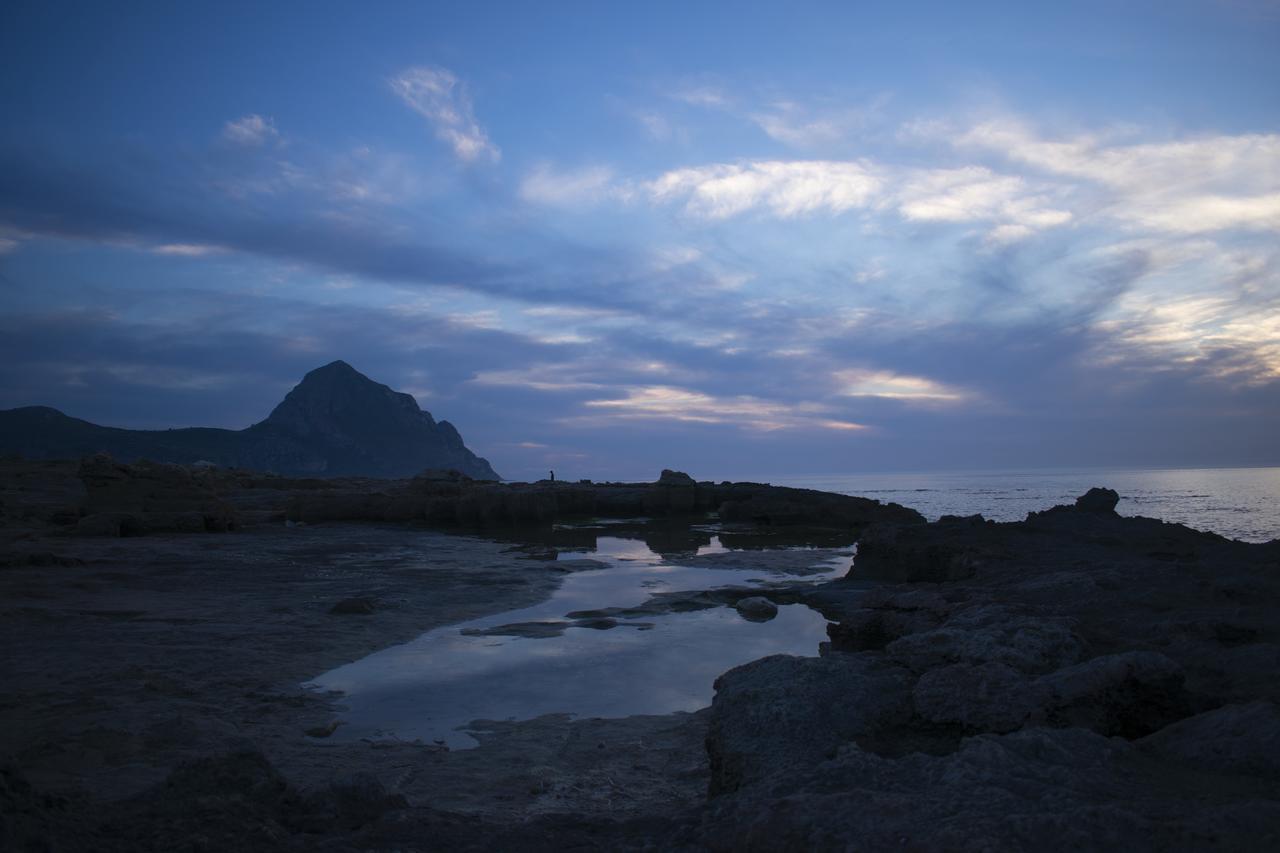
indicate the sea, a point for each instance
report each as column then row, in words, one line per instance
column 1239, row 503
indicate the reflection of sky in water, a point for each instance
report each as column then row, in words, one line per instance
column 429, row 687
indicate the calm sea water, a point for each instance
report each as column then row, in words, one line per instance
column 1242, row 503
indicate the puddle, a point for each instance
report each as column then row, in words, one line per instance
column 430, row 689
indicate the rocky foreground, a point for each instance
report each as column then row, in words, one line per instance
column 1078, row 680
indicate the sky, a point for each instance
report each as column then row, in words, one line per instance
column 739, row 239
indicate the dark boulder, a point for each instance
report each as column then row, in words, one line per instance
column 783, row 711
column 910, row 553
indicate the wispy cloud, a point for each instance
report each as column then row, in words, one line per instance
column 657, row 125
column 251, row 130
column 438, row 96
column 785, row 188
column 186, row 250
column 664, row 402
column 555, row 378
column 1185, row 186
column 805, row 126
column 701, row 96
column 976, row 194
column 888, row 385
column 1198, row 307
column 877, row 261
column 545, row 185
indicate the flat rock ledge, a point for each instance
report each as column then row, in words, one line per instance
column 98, row 496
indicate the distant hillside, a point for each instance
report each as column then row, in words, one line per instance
column 336, row 422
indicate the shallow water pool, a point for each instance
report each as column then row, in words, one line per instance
column 432, row 688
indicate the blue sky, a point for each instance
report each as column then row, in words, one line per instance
column 738, row 239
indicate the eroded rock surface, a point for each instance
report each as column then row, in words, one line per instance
column 1075, row 681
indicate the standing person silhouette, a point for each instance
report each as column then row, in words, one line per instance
column 553, row 476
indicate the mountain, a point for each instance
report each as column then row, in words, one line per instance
column 336, row 422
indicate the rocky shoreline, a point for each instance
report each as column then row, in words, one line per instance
column 1078, row 680
column 1075, row 680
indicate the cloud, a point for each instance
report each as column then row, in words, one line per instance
column 438, row 96
column 888, row 385
column 129, row 199
column 628, row 349
column 251, row 130
column 1191, row 186
column 807, row 127
column 657, row 125
column 186, row 250
column 793, row 188
column 1199, row 214
column 701, row 96
column 784, row 188
column 544, row 185
column 568, row 312
column 974, row 193
column 800, row 133
column 663, row 402
column 1229, row 340
column 540, row 378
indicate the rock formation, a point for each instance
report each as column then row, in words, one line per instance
column 335, row 423
column 1078, row 680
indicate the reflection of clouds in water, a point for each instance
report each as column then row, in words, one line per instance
column 669, row 669
column 714, row 548
column 444, row 679
column 622, row 549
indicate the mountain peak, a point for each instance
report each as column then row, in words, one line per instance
column 335, row 368
column 335, row 422
column 357, row 419
column 337, row 398
column 335, row 372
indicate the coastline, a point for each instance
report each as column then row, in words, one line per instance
column 1074, row 650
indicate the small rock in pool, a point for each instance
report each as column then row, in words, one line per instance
column 757, row 608
column 601, row 624
column 357, row 606
column 323, row 731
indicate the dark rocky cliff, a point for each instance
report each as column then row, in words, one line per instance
column 336, row 422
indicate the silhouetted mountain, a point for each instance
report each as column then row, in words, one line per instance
column 335, row 422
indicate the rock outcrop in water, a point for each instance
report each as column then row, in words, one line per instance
column 335, row 423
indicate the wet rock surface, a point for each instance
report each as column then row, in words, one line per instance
column 756, row 608
column 151, row 701
column 1075, row 681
